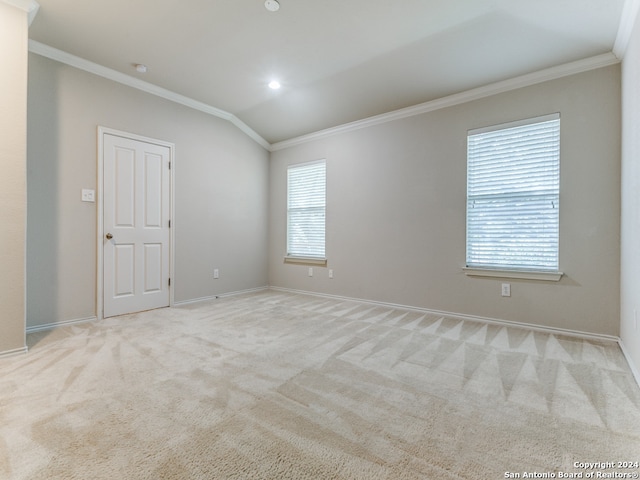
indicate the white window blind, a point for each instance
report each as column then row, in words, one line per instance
column 513, row 184
column 306, row 199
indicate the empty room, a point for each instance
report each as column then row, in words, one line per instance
column 287, row 239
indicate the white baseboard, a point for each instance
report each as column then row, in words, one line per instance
column 463, row 316
column 64, row 323
column 634, row 370
column 15, row 351
column 220, row 295
column 495, row 321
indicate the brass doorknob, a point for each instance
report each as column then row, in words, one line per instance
column 109, row 236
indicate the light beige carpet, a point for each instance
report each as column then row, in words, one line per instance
column 274, row 385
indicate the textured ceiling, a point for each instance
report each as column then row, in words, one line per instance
column 338, row 61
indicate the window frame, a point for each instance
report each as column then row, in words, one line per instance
column 297, row 256
column 497, row 268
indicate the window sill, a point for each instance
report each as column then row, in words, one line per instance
column 519, row 274
column 306, row 261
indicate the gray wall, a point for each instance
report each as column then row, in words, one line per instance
column 396, row 202
column 396, row 210
column 221, row 197
column 13, row 188
column 630, row 237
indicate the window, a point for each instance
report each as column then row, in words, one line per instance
column 513, row 193
column 306, row 200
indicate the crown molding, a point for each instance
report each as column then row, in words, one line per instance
column 250, row 132
column 108, row 73
column 29, row 6
column 553, row 73
column 628, row 19
column 545, row 75
column 21, row 4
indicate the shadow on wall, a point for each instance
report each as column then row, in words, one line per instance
column 43, row 229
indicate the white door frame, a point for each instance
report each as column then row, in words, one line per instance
column 100, row 207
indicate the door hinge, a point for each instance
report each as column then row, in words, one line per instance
column 169, row 281
column 169, row 223
column 169, row 165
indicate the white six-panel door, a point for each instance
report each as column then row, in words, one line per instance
column 136, row 209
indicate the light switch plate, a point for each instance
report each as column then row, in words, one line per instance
column 88, row 195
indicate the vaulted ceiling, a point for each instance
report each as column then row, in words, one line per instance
column 337, row 61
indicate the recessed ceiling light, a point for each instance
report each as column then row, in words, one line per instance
column 274, row 84
column 272, row 5
column 140, row 68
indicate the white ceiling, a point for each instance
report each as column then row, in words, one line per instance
column 338, row 61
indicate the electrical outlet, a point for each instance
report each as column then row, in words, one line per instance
column 506, row 289
column 216, row 273
column 88, row 195
column 330, row 273
column 311, row 271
